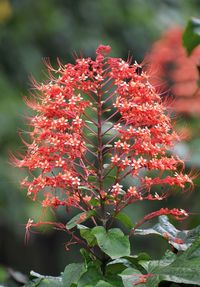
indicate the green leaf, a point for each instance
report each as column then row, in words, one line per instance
column 90, row 278
column 92, row 178
column 125, row 219
column 143, row 256
column 94, row 202
column 181, row 240
column 136, row 260
column 168, row 258
column 114, row 280
column 102, row 283
column 45, row 282
column 72, row 273
column 86, row 256
column 79, row 218
column 191, row 35
column 50, row 283
column 113, row 242
column 117, row 266
column 184, row 269
column 86, row 233
column 131, row 277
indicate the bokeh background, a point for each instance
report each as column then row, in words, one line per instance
column 31, row 30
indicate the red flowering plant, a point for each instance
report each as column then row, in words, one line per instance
column 97, row 123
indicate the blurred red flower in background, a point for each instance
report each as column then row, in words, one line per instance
column 170, row 62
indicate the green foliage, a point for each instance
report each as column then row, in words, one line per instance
column 181, row 240
column 130, row 271
column 191, row 36
column 184, row 268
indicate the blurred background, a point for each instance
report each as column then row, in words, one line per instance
column 32, row 30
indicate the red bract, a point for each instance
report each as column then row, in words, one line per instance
column 98, row 122
column 172, row 64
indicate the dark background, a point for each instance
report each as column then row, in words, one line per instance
column 31, row 30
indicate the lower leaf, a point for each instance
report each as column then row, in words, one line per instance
column 72, row 273
column 90, row 278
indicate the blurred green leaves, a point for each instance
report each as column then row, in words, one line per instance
column 191, row 36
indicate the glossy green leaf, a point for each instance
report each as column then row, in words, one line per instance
column 184, row 268
column 143, row 256
column 86, row 233
column 45, row 282
column 114, row 280
column 91, row 277
column 131, row 277
column 181, row 240
column 135, row 260
column 117, row 266
column 79, row 218
column 50, row 283
column 191, row 36
column 125, row 219
column 103, row 283
column 86, row 256
column 113, row 242
column 72, row 273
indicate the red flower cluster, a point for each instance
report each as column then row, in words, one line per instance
column 170, row 62
column 98, row 122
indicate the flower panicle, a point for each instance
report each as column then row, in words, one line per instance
column 96, row 123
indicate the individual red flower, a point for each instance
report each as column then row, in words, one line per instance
column 170, row 62
column 96, row 123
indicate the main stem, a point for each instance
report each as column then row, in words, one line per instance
column 100, row 157
column 104, row 257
